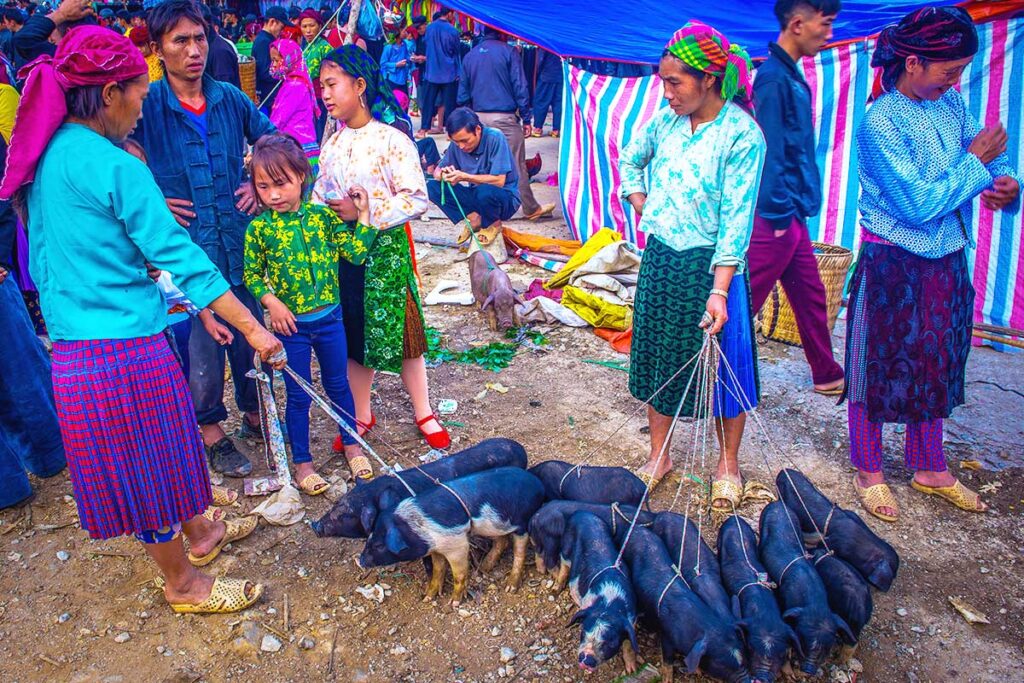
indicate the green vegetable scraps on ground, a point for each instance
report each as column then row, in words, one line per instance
column 495, row 356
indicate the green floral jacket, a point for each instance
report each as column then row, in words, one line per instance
column 295, row 255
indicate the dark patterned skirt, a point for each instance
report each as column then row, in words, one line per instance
column 133, row 446
column 671, row 295
column 908, row 333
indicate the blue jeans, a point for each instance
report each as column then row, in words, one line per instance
column 29, row 433
column 492, row 203
column 326, row 337
column 548, row 96
column 206, row 368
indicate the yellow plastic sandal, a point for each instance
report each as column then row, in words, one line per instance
column 227, row 595
column 214, row 514
column 360, row 467
column 235, row 530
column 727, row 490
column 313, row 485
column 873, row 498
column 223, row 496
column 957, row 494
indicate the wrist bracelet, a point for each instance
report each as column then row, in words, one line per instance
column 721, row 292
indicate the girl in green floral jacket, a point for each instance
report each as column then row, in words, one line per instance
column 291, row 265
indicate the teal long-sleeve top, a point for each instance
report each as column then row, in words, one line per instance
column 96, row 216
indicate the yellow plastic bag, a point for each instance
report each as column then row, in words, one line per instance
column 597, row 311
column 596, row 243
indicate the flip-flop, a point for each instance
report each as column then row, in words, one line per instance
column 957, row 494
column 313, row 485
column 227, row 595
column 727, row 490
column 875, row 497
column 234, row 530
column 223, row 496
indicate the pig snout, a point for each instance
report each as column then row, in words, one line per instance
column 588, row 661
column 317, row 527
column 360, row 563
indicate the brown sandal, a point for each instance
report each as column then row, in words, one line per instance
column 874, row 498
column 227, row 595
column 957, row 494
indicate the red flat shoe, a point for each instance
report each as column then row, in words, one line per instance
column 361, row 429
column 438, row 440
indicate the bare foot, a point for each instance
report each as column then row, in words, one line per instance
column 866, row 479
column 934, row 479
column 728, row 473
column 303, row 470
column 831, row 386
column 202, row 544
column 191, row 590
column 655, row 469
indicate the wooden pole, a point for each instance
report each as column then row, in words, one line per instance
column 353, row 18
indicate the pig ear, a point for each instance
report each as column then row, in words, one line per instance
column 693, row 656
column 882, row 577
column 488, row 302
column 742, row 630
column 394, row 542
column 367, row 517
column 578, row 618
column 388, row 500
column 845, row 632
column 792, row 614
column 795, row 642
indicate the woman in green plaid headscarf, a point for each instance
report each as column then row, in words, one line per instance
column 692, row 174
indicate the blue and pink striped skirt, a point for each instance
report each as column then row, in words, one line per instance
column 133, row 446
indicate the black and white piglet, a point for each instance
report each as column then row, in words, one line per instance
column 845, row 532
column 768, row 637
column 602, row 590
column 800, row 589
column 699, row 564
column 686, row 624
column 355, row 513
column 548, row 525
column 495, row 504
column 587, row 484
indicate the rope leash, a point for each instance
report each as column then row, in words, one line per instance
column 448, row 189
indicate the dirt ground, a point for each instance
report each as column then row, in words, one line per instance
column 76, row 610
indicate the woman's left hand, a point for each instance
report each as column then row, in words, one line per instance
column 716, row 314
column 1003, row 193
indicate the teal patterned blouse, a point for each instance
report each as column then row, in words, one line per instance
column 701, row 185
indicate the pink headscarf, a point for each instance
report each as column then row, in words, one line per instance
column 87, row 55
column 293, row 66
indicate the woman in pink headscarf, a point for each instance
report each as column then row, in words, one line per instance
column 295, row 109
column 95, row 217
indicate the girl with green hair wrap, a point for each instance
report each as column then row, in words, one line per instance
column 692, row 175
column 380, row 300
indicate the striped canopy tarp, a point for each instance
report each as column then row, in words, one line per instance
column 603, row 112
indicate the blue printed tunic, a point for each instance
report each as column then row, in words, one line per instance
column 918, row 181
column 703, row 184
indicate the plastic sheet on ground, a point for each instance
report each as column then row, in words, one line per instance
column 547, row 311
column 595, row 310
column 284, row 508
column 596, row 243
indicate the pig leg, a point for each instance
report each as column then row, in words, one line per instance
column 563, row 577
column 492, row 319
column 538, row 561
column 846, row 652
column 494, row 554
column 668, row 656
column 436, row 583
column 515, row 577
column 628, row 657
column 459, row 560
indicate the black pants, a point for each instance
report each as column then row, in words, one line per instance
column 492, row 203
column 428, row 100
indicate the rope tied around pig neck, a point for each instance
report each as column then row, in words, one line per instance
column 796, row 559
column 450, row 490
column 677, row 576
column 617, row 567
column 616, row 513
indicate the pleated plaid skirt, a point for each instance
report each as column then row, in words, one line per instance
column 134, row 451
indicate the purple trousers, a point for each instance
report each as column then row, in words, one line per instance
column 790, row 259
column 922, row 451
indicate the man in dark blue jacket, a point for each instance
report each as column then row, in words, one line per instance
column 194, row 129
column 780, row 247
column 440, row 69
column 274, row 21
column 29, row 434
column 548, row 93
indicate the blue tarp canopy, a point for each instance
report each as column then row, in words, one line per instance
column 637, row 30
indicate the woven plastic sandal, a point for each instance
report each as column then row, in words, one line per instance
column 360, row 467
column 235, row 530
column 313, row 485
column 213, row 514
column 223, row 496
column 957, row 494
column 876, row 497
column 727, row 490
column 227, row 595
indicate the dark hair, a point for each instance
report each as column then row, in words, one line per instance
column 15, row 15
column 86, row 102
column 280, row 156
column 462, row 118
column 687, row 69
column 785, row 9
column 65, row 26
column 165, row 16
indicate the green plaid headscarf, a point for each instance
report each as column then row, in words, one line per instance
column 379, row 98
column 705, row 49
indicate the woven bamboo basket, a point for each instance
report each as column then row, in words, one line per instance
column 247, row 74
column 777, row 320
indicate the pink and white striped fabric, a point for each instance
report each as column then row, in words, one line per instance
column 602, row 112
